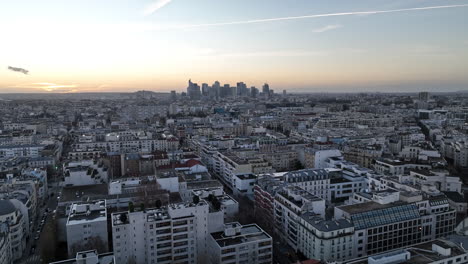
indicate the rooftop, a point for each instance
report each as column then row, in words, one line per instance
column 87, row 212
column 244, row 234
column 326, row 225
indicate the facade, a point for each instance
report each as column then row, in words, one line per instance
column 291, row 202
column 385, row 226
column 30, row 151
column 325, row 240
column 5, row 245
column 86, row 227
column 174, row 234
column 17, row 229
column 317, row 182
column 316, row 158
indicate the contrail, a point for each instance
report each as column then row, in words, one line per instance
column 319, row 15
column 156, row 6
column 16, row 69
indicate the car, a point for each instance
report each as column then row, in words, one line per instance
column 36, row 237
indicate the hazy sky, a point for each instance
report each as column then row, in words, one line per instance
column 299, row 45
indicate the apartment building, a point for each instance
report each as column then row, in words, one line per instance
column 86, row 227
column 132, row 145
column 17, row 228
column 5, row 245
column 291, row 202
column 228, row 164
column 361, row 154
column 315, row 181
column 240, row 244
column 397, row 167
column 30, row 151
column 264, row 199
column 330, row 240
column 174, row 234
column 316, row 158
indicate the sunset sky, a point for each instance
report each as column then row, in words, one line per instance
column 298, row 45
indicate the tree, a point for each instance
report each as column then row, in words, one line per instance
column 94, row 242
column 196, row 199
column 147, row 192
column 158, row 204
column 298, row 165
column 210, row 197
column 131, row 208
column 123, row 217
column 216, row 203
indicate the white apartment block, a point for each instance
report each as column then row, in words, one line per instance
column 30, row 151
column 440, row 179
column 129, row 146
column 227, row 165
column 316, row 159
column 290, row 202
column 331, row 240
column 317, row 182
column 240, row 244
column 174, row 234
column 397, row 167
column 87, row 227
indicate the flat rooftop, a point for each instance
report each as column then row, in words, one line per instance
column 87, row 212
column 420, row 254
column 246, row 234
column 366, row 206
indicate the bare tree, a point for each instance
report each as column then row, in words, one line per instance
column 94, row 242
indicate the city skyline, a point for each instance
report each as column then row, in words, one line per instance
column 126, row 46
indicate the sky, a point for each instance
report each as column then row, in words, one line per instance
column 297, row 45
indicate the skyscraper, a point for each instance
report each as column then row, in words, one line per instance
column 253, row 92
column 424, row 96
column 205, row 89
column 266, row 90
column 193, row 90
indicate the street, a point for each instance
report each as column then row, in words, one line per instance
column 31, row 257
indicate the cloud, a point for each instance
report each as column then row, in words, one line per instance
column 277, row 53
column 16, row 69
column 155, row 6
column 266, row 20
column 326, row 28
column 49, row 87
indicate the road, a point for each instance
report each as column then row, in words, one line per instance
column 51, row 205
